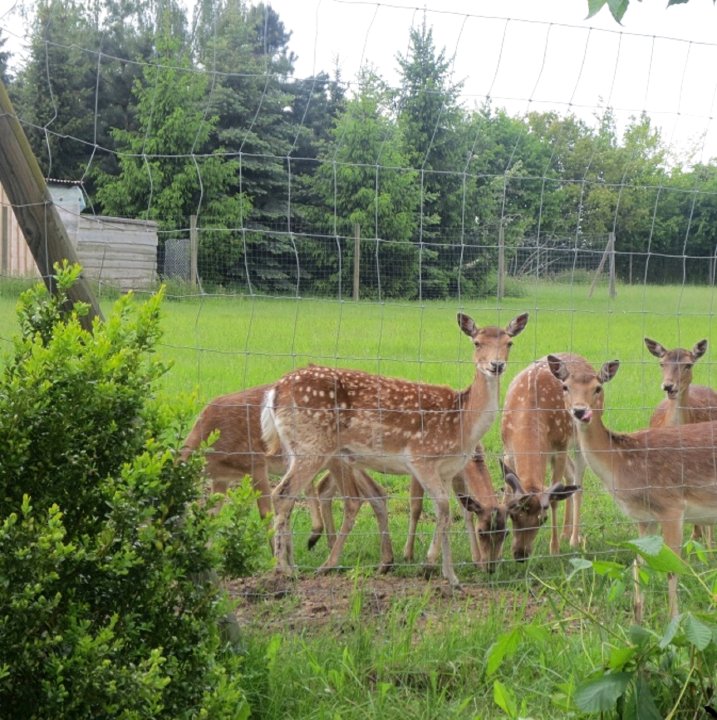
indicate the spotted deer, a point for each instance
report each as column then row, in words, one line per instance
column 385, row 424
column 660, row 475
column 239, row 451
column 685, row 403
column 537, row 430
column 483, row 511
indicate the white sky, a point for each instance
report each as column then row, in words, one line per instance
column 536, row 54
column 525, row 54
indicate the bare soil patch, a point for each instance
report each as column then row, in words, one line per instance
column 314, row 601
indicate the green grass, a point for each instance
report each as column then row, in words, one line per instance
column 410, row 660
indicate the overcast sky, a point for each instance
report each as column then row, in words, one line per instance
column 536, row 54
column 525, row 54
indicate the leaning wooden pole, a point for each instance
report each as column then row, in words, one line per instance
column 40, row 222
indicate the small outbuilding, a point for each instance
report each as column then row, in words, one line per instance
column 118, row 252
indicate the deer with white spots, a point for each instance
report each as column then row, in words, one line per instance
column 385, row 424
column 536, row 429
column 240, row 451
column 685, row 403
column 665, row 475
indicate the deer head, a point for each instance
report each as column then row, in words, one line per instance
column 583, row 391
column 529, row 510
column 492, row 344
column 676, row 365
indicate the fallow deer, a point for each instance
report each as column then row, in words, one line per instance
column 483, row 511
column 536, row 429
column 685, row 403
column 665, row 475
column 239, row 451
column 386, row 424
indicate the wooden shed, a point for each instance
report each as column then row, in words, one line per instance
column 119, row 252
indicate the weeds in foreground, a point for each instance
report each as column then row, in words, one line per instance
column 576, row 655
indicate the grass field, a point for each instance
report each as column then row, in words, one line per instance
column 427, row 655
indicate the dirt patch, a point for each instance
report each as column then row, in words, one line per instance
column 313, row 601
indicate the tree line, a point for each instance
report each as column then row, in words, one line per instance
column 162, row 116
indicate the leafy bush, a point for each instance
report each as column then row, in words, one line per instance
column 107, row 608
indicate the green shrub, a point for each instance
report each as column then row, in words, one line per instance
column 106, row 604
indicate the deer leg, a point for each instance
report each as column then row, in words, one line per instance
column 703, row 533
column 326, row 491
column 416, row 493
column 352, row 504
column 260, row 483
column 643, row 528
column 459, row 487
column 558, row 463
column 441, row 535
column 297, row 478
column 576, row 469
column 375, row 495
column 672, row 534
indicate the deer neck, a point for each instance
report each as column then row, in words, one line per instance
column 678, row 410
column 479, row 403
column 597, row 447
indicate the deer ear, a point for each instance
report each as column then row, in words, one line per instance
column 557, row 367
column 470, row 504
column 699, row 349
column 517, row 325
column 466, row 323
column 655, row 348
column 608, row 371
column 511, row 479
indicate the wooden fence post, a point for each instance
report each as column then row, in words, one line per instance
column 35, row 211
column 501, row 261
column 193, row 246
column 357, row 260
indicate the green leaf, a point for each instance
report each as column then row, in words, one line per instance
column 618, row 8
column 672, row 627
column 640, row 635
column 594, row 7
column 620, row 656
column 505, row 699
column 699, row 634
column 639, row 703
column 505, row 645
column 600, row 695
column 657, row 555
column 647, row 545
column 580, row 564
column 608, row 567
column 676, row 2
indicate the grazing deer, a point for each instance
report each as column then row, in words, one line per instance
column 537, row 429
column 386, row 424
column 484, row 513
column 239, row 451
column 665, row 475
column 685, row 403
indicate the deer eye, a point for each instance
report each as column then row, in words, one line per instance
column 688, row 366
column 598, row 389
column 510, row 343
column 476, row 345
column 565, row 388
